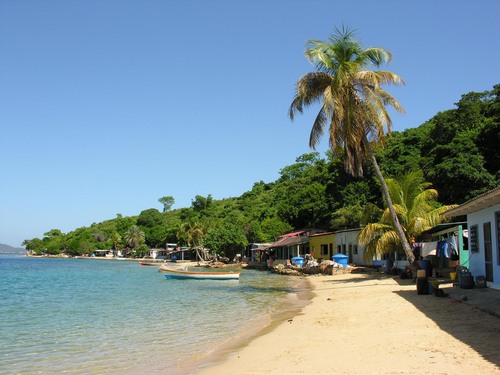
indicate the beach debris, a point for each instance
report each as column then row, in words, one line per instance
column 290, row 321
column 326, row 267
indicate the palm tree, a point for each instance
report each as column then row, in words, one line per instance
column 194, row 234
column 353, row 104
column 134, row 236
column 417, row 209
column 116, row 241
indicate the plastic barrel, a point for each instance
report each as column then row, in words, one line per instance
column 341, row 259
column 465, row 280
column 297, row 262
column 422, row 285
column 427, row 266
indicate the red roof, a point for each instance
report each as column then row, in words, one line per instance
column 293, row 234
column 289, row 241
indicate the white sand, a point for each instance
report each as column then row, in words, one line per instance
column 368, row 324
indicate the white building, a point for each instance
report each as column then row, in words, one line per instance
column 346, row 242
column 483, row 222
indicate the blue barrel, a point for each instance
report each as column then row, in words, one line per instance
column 298, row 262
column 427, row 266
column 340, row 259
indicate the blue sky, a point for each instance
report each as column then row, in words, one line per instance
column 106, row 106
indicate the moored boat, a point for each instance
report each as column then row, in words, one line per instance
column 150, row 264
column 172, row 273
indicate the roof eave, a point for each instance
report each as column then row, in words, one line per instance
column 483, row 201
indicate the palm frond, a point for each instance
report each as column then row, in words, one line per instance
column 309, row 89
column 388, row 242
column 317, row 128
column 376, row 56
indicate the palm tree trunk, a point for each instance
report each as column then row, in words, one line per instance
column 385, row 190
column 198, row 255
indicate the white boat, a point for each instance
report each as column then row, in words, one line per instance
column 172, row 273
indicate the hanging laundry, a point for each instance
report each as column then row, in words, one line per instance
column 428, row 248
column 452, row 242
column 442, row 248
column 442, row 252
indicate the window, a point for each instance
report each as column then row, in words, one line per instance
column 497, row 226
column 488, row 251
column 324, row 249
column 473, row 240
column 339, row 249
column 354, row 249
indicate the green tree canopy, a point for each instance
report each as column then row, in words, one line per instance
column 167, row 201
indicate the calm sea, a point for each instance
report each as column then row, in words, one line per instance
column 82, row 316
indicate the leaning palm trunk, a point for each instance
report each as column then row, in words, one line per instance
column 353, row 104
column 201, row 254
column 198, row 253
column 385, row 190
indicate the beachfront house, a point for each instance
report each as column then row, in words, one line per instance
column 322, row 245
column 318, row 244
column 483, row 222
column 163, row 253
column 445, row 246
column 290, row 245
column 346, row 242
column 99, row 253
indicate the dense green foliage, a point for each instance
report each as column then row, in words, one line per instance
column 457, row 151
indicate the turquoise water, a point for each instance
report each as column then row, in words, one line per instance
column 79, row 316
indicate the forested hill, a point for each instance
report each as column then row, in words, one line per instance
column 456, row 150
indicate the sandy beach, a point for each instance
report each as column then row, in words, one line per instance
column 371, row 324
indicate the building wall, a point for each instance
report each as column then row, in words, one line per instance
column 322, row 246
column 477, row 265
column 346, row 242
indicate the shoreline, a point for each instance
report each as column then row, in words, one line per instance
column 253, row 330
column 369, row 324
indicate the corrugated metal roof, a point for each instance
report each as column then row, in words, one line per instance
column 289, row 241
column 321, row 234
column 294, row 234
column 488, row 199
column 445, row 226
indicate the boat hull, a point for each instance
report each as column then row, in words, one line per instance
column 182, row 275
column 150, row 264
